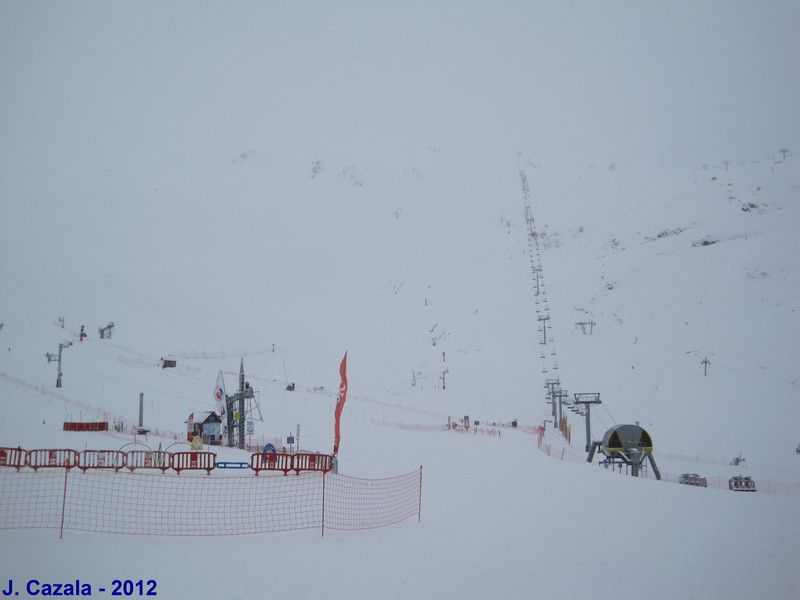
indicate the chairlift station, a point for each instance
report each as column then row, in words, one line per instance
column 626, row 445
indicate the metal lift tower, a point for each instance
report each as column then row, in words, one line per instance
column 236, row 410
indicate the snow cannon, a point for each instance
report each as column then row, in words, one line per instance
column 629, row 445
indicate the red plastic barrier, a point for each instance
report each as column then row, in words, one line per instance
column 271, row 462
column 101, row 459
column 147, row 459
column 52, row 458
column 93, row 426
column 311, row 462
column 13, row 457
column 194, row 461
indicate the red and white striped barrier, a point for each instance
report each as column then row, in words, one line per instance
column 271, row 462
column 38, row 459
column 101, row 459
column 311, row 462
column 157, row 459
column 93, row 426
column 194, row 461
column 13, row 457
column 147, row 459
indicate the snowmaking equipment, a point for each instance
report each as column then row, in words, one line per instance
column 626, row 444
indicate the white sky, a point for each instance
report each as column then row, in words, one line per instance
column 121, row 123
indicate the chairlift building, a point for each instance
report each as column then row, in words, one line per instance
column 629, row 445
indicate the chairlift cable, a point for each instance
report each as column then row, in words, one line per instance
column 609, row 414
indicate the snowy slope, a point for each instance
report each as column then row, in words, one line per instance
column 286, row 183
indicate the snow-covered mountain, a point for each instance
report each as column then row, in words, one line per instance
column 281, row 184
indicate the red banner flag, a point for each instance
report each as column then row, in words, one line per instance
column 340, row 402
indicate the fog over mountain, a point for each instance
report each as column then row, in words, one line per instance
column 283, row 182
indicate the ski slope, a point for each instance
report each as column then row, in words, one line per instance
column 281, row 184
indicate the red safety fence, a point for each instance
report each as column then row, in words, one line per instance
column 38, row 459
column 13, row 457
column 157, row 459
column 271, row 462
column 93, row 426
column 291, row 462
column 101, row 459
column 193, row 461
column 311, row 462
column 124, row 502
column 147, row 459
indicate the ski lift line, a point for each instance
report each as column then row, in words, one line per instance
column 138, row 385
column 37, row 353
column 173, row 372
column 149, row 361
column 88, row 347
column 792, row 382
column 273, row 381
column 26, row 332
column 600, row 418
column 538, row 276
column 183, row 355
column 147, row 367
column 420, row 411
column 105, row 342
column 224, row 355
column 609, row 413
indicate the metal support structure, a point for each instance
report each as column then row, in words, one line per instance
column 236, row 410
column 105, row 332
column 561, row 395
column 553, row 385
column 57, row 357
column 543, row 315
column 544, row 319
column 536, row 271
column 586, row 400
column 705, row 362
column 627, row 445
column 653, row 464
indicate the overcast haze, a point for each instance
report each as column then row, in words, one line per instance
column 171, row 135
column 287, row 181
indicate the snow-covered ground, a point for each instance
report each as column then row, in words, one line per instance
column 284, row 183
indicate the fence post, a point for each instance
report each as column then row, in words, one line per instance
column 323, row 503
column 64, row 503
column 419, row 508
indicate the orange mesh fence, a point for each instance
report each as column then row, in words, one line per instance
column 352, row 503
column 122, row 502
